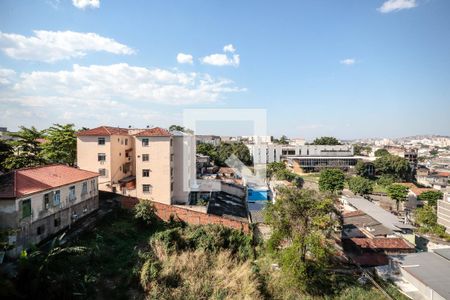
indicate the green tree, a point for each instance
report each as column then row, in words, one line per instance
column 362, row 168
column 326, row 140
column 274, row 167
column 6, row 150
column 360, row 185
column 225, row 150
column 360, row 149
column 385, row 180
column 426, row 217
column 27, row 147
column 431, row 197
column 331, row 180
column 303, row 220
column 61, row 144
column 398, row 193
column 381, row 152
column 144, row 212
column 395, row 166
column 180, row 128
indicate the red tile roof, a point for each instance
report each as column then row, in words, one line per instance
column 415, row 189
column 156, row 131
column 103, row 131
column 443, row 174
column 382, row 243
column 22, row 182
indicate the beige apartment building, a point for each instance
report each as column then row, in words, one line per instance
column 150, row 163
column 36, row 203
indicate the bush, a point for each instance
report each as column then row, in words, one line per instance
column 144, row 212
column 386, row 180
column 149, row 272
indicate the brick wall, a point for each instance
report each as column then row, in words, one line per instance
column 164, row 211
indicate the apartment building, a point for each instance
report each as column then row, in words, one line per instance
column 150, row 163
column 36, row 203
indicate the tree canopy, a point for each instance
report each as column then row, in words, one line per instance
column 222, row 152
column 398, row 193
column 283, row 140
column 360, row 149
column 392, row 165
column 381, row 152
column 362, row 168
column 27, row 147
column 61, row 144
column 360, row 185
column 331, row 180
column 6, row 150
column 431, row 197
column 326, row 140
column 303, row 220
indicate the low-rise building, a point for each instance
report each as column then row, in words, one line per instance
column 36, row 203
column 443, row 212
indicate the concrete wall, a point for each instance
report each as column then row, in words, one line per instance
column 118, row 158
column 187, row 215
column 159, row 164
column 443, row 213
column 67, row 212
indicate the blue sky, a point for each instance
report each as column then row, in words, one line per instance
column 348, row 68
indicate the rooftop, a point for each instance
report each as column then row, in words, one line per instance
column 22, row 182
column 432, row 269
column 387, row 219
column 415, row 189
column 156, row 131
column 103, row 131
column 382, row 243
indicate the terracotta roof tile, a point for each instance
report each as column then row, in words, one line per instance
column 22, row 182
column 156, row 131
column 381, row 243
column 415, row 189
column 103, row 131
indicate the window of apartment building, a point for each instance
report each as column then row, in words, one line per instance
column 102, row 172
column 84, row 188
column 145, row 173
column 144, row 142
column 72, row 196
column 146, row 188
column 126, row 142
column 46, row 204
column 145, row 157
column 93, row 185
column 101, row 140
column 171, row 142
column 57, row 222
column 171, row 186
column 56, row 198
column 121, row 141
column 26, row 208
column 40, row 230
column 171, row 172
column 171, row 157
column 101, row 157
column 126, row 167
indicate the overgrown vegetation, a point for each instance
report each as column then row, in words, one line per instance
column 219, row 154
column 134, row 255
column 279, row 171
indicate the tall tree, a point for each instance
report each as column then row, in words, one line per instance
column 326, row 140
column 331, row 180
column 302, row 220
column 398, row 193
column 274, row 167
column 6, row 150
column 381, row 152
column 27, row 148
column 61, row 144
column 362, row 168
column 393, row 165
column 360, row 185
column 431, row 197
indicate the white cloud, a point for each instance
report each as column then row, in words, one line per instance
column 348, row 61
column 229, row 48
column 185, row 58
column 396, row 5
column 82, row 4
column 219, row 59
column 51, row 46
column 7, row 76
column 87, row 85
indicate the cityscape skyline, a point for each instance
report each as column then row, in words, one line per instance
column 368, row 69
